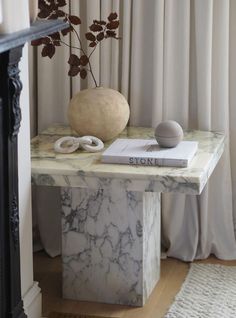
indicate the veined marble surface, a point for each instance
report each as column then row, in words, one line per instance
column 85, row 170
column 110, row 245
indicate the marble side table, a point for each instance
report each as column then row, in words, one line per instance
column 111, row 213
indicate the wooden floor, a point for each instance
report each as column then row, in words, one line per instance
column 48, row 274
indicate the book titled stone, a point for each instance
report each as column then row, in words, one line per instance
column 147, row 152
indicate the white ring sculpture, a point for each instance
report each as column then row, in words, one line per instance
column 71, row 144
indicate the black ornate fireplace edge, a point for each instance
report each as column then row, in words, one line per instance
column 11, row 304
column 10, row 88
column 14, row 221
column 13, row 72
column 15, row 88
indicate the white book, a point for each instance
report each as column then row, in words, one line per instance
column 147, row 152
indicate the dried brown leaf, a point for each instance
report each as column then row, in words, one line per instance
column 111, row 34
column 92, row 44
column 48, row 50
column 112, row 16
column 74, row 60
column 53, row 16
column 46, row 40
column 83, row 73
column 60, row 13
column 84, row 60
column 37, row 42
column 61, row 3
column 42, row 4
column 90, row 36
column 44, row 13
column 113, row 25
column 52, row 5
column 100, row 36
column 55, row 36
column 74, row 70
column 74, row 19
column 96, row 28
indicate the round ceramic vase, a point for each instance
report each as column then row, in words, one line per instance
column 100, row 112
column 168, row 134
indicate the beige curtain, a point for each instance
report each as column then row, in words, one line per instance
column 176, row 60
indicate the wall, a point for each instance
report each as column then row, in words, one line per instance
column 30, row 290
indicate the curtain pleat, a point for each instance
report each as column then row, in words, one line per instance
column 176, row 61
column 144, row 61
column 106, row 76
column 203, row 11
column 156, row 98
column 206, row 221
column 125, row 47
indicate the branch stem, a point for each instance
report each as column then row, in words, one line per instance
column 94, row 79
column 81, row 46
column 73, row 47
column 93, row 51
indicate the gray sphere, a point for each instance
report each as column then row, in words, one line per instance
column 168, row 134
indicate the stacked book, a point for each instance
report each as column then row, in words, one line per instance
column 147, row 152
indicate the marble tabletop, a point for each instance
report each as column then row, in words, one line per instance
column 83, row 169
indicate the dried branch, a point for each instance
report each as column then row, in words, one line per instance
column 99, row 30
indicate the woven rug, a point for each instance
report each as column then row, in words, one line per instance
column 209, row 291
column 64, row 315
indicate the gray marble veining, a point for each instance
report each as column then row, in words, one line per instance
column 110, row 245
column 82, row 169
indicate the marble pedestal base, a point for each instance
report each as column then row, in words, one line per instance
column 110, row 245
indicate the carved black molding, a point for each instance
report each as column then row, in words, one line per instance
column 10, row 88
column 14, row 220
column 2, row 256
column 16, row 87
